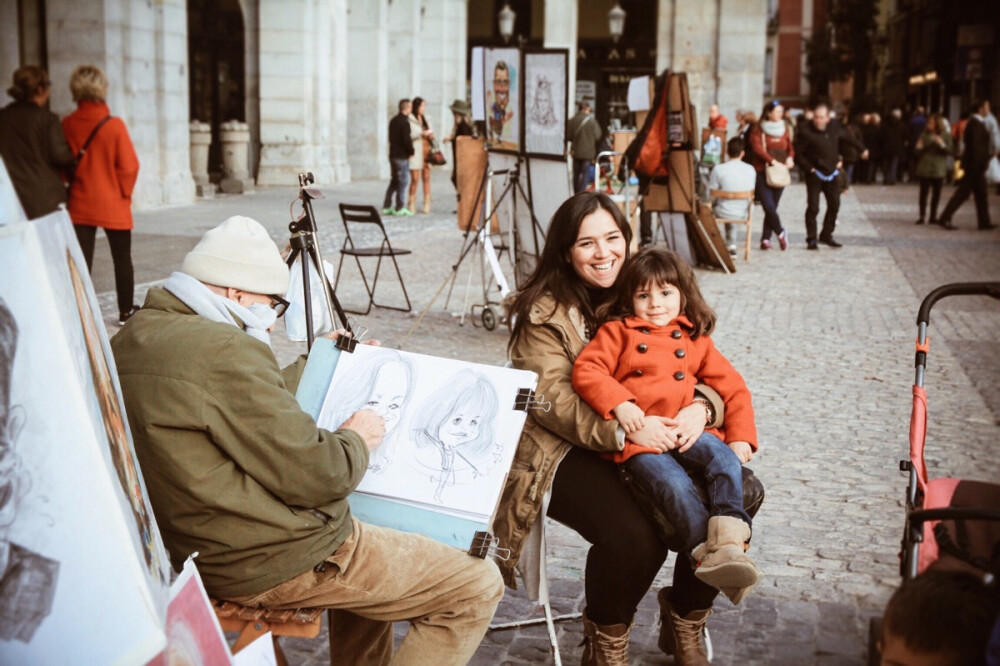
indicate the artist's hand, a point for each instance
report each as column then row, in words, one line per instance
column 688, row 426
column 369, row 425
column 630, row 416
column 655, row 434
column 743, row 451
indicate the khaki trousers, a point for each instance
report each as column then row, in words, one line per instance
column 380, row 576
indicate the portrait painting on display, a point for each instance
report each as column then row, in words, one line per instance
column 75, row 531
column 502, row 99
column 545, row 89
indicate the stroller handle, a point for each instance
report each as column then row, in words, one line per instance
column 955, row 289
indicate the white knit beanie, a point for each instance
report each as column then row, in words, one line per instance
column 239, row 254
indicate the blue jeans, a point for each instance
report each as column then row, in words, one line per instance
column 769, row 198
column 663, row 482
column 583, row 174
column 399, row 183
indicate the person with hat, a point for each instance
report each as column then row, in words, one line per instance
column 237, row 472
column 461, row 110
column 32, row 143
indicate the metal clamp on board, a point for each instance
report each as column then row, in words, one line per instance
column 484, row 543
column 346, row 343
column 527, row 399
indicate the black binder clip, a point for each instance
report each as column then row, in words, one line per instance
column 527, row 399
column 349, row 341
column 484, row 543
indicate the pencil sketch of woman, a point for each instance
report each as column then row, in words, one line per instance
column 454, row 431
column 383, row 384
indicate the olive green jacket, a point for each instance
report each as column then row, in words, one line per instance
column 552, row 338
column 235, row 469
column 933, row 159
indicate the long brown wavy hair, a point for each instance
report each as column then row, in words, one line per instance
column 653, row 267
column 554, row 273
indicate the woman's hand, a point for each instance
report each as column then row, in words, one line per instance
column 655, row 434
column 630, row 416
column 743, row 451
column 790, row 163
column 688, row 426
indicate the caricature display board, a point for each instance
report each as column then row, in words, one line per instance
column 545, row 73
column 10, row 206
column 502, row 99
column 549, row 185
column 451, row 431
column 194, row 635
column 86, row 579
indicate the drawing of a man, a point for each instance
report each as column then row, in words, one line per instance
column 27, row 579
column 499, row 114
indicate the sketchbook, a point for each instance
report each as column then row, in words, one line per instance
column 451, row 431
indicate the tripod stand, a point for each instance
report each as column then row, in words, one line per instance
column 303, row 240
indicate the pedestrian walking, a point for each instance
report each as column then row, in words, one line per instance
column 817, row 152
column 32, row 143
column 932, row 150
column 400, row 149
column 460, row 110
column 771, row 143
column 975, row 159
column 893, row 144
column 850, row 151
column 871, row 136
column 584, row 132
column 420, row 167
column 915, row 129
column 100, row 195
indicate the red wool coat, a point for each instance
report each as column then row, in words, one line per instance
column 762, row 143
column 101, row 195
column 657, row 368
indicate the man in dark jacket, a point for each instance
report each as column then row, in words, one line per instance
column 893, row 145
column 237, row 471
column 817, row 153
column 975, row 159
column 33, row 145
column 400, row 150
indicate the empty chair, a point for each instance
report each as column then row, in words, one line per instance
column 353, row 216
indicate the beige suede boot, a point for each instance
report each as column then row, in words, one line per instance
column 427, row 204
column 682, row 636
column 605, row 645
column 722, row 561
column 411, row 203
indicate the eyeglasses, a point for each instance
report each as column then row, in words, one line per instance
column 498, row 82
column 279, row 305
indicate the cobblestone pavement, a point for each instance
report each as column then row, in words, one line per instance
column 824, row 340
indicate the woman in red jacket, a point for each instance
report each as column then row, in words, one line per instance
column 101, row 192
column 770, row 142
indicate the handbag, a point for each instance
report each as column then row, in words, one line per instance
column 435, row 156
column 993, row 170
column 778, row 175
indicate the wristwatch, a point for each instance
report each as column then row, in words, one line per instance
column 709, row 412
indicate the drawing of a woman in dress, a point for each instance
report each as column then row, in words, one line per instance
column 454, row 432
column 382, row 384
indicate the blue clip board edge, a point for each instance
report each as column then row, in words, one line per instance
column 450, row 530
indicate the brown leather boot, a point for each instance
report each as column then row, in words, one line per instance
column 605, row 645
column 682, row 636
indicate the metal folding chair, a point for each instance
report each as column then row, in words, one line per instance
column 355, row 215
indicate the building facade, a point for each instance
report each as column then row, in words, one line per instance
column 316, row 81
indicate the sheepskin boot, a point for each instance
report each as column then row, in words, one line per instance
column 411, row 203
column 427, row 204
column 681, row 636
column 605, row 645
column 722, row 561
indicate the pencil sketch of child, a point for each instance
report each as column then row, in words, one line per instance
column 454, row 431
column 382, row 383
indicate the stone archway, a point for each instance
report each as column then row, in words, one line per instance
column 217, row 76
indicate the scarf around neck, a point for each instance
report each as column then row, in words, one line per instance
column 217, row 308
column 775, row 128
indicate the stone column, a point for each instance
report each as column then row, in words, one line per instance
column 337, row 67
column 369, row 102
column 742, row 45
column 444, row 53
column 235, row 139
column 10, row 43
column 201, row 139
column 561, row 17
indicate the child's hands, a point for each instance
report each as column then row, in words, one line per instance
column 743, row 451
column 630, row 416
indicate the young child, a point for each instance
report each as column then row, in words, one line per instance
column 645, row 361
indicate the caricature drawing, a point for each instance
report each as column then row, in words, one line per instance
column 542, row 111
column 454, row 431
column 499, row 115
column 27, row 579
column 383, row 383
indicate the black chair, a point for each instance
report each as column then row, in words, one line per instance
column 355, row 215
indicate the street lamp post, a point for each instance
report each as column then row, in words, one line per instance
column 505, row 18
column 616, row 22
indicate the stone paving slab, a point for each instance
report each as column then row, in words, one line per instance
column 824, row 340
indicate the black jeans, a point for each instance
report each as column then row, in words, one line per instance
column 831, row 192
column 975, row 184
column 932, row 185
column 626, row 549
column 121, row 254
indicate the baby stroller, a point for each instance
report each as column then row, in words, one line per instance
column 950, row 523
